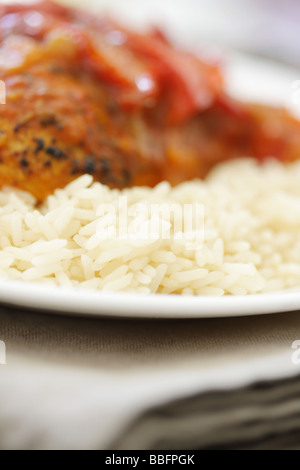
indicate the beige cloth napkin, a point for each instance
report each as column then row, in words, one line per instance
column 72, row 383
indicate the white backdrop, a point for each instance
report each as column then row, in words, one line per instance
column 266, row 27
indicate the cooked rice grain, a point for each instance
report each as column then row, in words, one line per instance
column 251, row 235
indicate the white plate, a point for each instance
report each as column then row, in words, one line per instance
column 92, row 303
column 249, row 79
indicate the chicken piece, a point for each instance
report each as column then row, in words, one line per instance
column 84, row 95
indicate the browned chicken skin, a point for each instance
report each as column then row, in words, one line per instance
column 86, row 96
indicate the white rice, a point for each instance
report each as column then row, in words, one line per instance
column 251, row 236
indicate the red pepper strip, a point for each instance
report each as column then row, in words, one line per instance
column 192, row 84
column 143, row 67
column 115, row 65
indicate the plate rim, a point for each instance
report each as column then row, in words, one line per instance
column 93, row 303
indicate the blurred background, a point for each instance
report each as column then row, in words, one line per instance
column 269, row 28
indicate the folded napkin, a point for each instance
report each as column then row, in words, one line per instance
column 73, row 383
column 264, row 416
